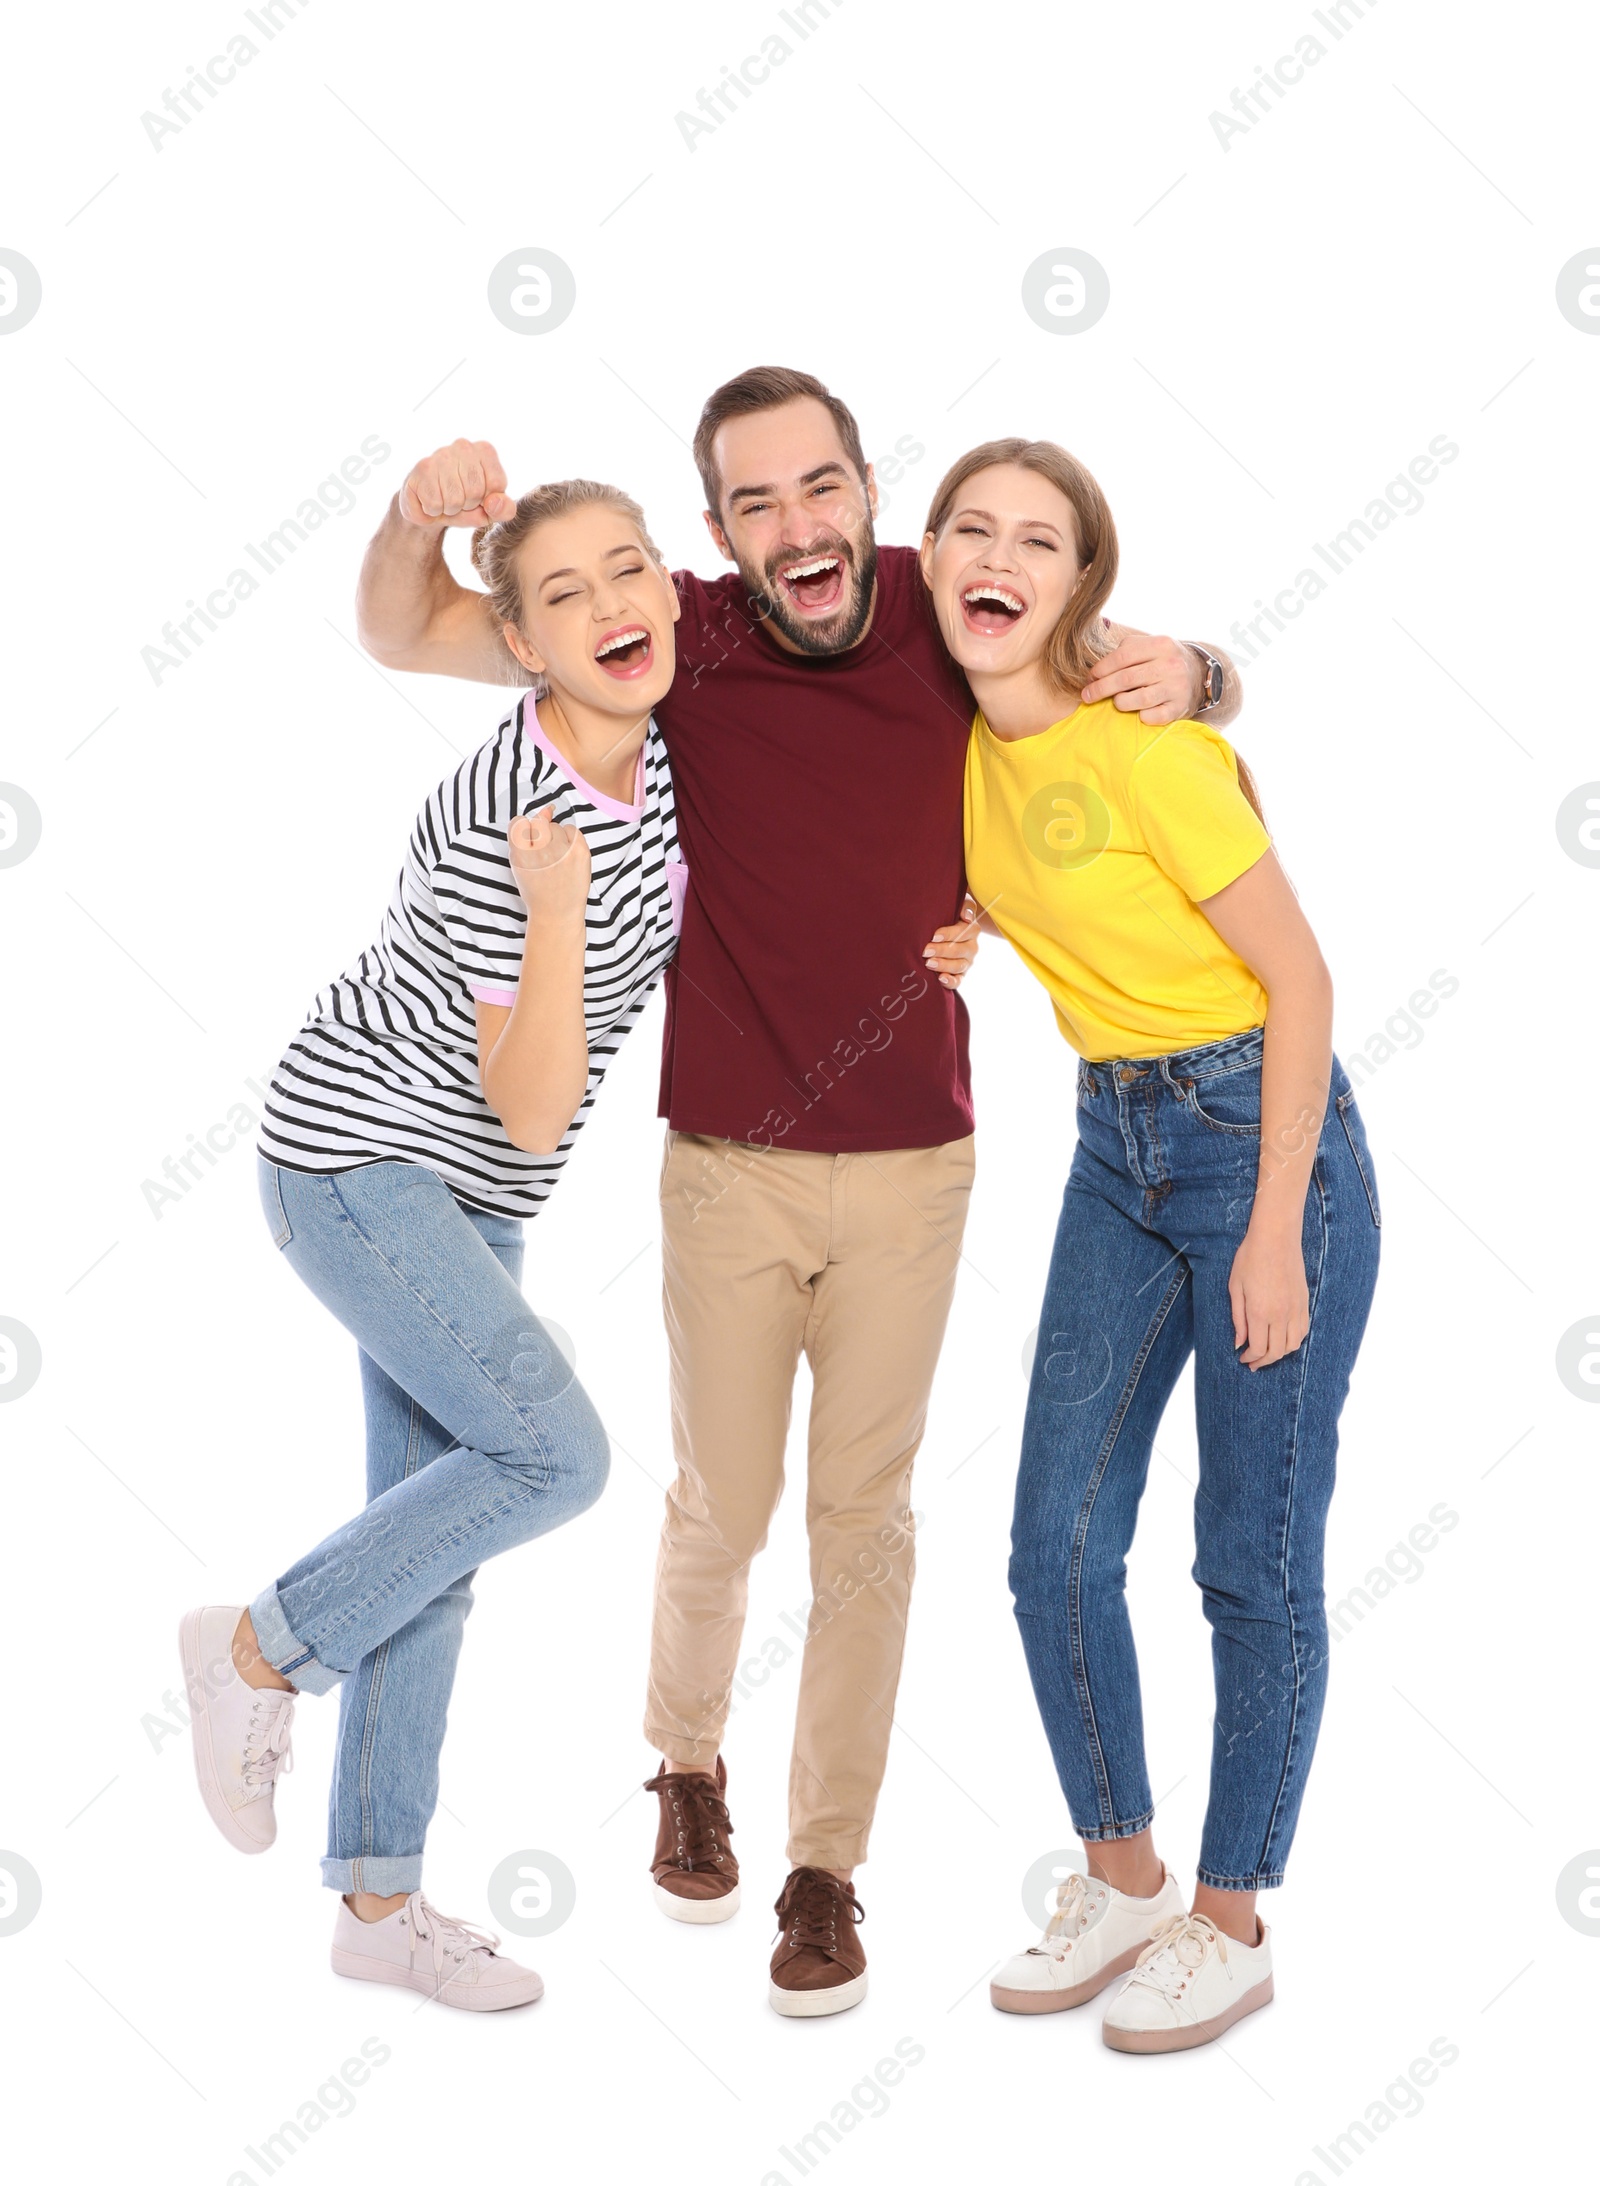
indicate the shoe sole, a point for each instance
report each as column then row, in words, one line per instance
column 699, row 1912
column 1036, row 2000
column 194, row 1685
column 1155, row 2041
column 816, row 2003
column 353, row 1967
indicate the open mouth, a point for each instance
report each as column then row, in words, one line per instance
column 991, row 609
column 815, row 586
column 625, row 653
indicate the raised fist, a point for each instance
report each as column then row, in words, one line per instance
column 462, row 484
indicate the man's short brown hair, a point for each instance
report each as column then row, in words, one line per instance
column 765, row 387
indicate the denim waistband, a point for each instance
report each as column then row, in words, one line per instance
column 1216, row 1059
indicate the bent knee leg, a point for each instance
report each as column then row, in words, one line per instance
column 556, row 1442
column 560, row 1449
column 585, row 1460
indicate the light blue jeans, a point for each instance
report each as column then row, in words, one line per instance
column 479, row 1437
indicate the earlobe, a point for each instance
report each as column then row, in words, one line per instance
column 665, row 574
column 522, row 651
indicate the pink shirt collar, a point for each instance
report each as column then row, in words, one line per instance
column 612, row 808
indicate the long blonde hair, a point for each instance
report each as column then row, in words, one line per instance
column 1079, row 640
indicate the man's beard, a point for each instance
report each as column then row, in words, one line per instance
column 835, row 633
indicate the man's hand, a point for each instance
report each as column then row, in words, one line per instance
column 1156, row 678
column 954, row 949
column 462, row 484
column 550, row 864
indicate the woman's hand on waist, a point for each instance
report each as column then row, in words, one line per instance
column 954, row 949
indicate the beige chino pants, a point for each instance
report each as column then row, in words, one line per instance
column 852, row 1259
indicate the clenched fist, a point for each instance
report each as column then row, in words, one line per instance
column 551, row 865
column 462, row 484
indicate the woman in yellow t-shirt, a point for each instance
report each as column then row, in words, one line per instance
column 1220, row 1205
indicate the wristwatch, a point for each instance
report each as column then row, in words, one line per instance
column 1214, row 680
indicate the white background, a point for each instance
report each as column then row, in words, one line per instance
column 1370, row 265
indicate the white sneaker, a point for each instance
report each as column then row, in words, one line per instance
column 1190, row 1986
column 1093, row 1934
column 241, row 1735
column 417, row 1948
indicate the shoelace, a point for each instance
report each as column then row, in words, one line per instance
column 700, row 1814
column 455, row 1940
column 1178, row 1949
column 267, row 1752
column 1068, row 1921
column 808, row 1910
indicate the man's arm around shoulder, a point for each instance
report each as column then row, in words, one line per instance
column 1163, row 679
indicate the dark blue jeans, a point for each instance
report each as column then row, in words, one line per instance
column 1156, row 1206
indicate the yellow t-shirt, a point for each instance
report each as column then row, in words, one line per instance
column 1091, row 845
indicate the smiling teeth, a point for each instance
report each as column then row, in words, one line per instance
column 812, row 569
column 618, row 639
column 994, row 592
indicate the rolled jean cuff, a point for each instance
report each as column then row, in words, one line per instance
column 379, row 1878
column 1110, row 1832
column 288, row 1654
column 1271, row 1879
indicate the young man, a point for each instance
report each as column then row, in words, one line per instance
column 815, row 1084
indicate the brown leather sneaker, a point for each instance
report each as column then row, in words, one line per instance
column 696, row 1874
column 819, row 1965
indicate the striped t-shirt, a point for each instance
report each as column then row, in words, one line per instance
column 385, row 1067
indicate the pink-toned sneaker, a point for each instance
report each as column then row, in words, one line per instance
column 241, row 1735
column 1191, row 1984
column 417, row 1948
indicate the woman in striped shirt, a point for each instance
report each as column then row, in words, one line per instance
column 426, row 1105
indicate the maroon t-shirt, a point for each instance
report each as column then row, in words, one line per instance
column 819, row 815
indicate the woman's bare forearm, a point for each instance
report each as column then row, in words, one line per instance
column 1296, row 1067
column 1260, row 918
column 535, row 1069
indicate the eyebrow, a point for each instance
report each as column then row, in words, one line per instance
column 609, row 555
column 1037, row 523
column 740, row 493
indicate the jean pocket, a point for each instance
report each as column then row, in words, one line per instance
column 272, row 1204
column 1229, row 1102
column 1361, row 1153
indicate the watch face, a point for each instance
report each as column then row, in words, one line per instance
column 1213, row 681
